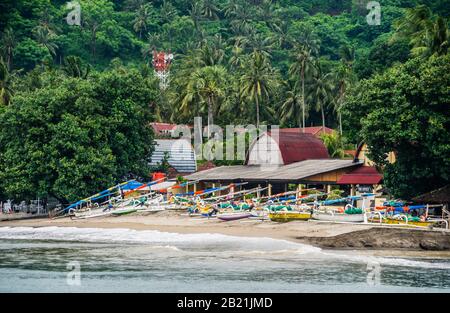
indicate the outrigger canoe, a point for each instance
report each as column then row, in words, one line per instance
column 396, row 221
column 233, row 216
column 338, row 217
column 123, row 211
column 283, row 217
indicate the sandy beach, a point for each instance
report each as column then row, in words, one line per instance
column 321, row 234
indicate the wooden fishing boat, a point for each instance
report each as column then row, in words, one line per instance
column 125, row 211
column 400, row 221
column 287, row 216
column 233, row 216
column 338, row 217
column 89, row 214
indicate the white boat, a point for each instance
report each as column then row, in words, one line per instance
column 233, row 216
column 89, row 214
column 338, row 217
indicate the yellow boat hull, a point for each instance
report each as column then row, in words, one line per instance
column 289, row 216
column 399, row 222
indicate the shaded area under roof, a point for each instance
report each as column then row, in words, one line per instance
column 364, row 175
column 293, row 172
column 441, row 195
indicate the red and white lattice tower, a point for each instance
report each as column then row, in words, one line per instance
column 161, row 64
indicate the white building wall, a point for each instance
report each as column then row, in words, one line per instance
column 265, row 151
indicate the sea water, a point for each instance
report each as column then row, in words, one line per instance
column 59, row 259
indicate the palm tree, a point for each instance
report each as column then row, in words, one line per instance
column 8, row 46
column 208, row 84
column 45, row 38
column 209, row 9
column 196, row 13
column 343, row 77
column 242, row 20
column 168, row 11
column 258, row 42
column 231, row 8
column 439, row 42
column 257, row 82
column 6, row 91
column 211, row 52
column 308, row 38
column 428, row 34
column 291, row 106
column 302, row 65
column 320, row 90
column 140, row 21
column 73, row 67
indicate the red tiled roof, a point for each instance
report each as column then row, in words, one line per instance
column 159, row 127
column 315, row 130
column 364, row 175
column 297, row 147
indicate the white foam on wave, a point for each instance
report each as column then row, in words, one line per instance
column 235, row 246
column 401, row 262
column 156, row 238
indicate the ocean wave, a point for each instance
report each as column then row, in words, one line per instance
column 223, row 246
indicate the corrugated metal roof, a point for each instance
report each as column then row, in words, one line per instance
column 294, row 147
column 292, row 172
column 181, row 154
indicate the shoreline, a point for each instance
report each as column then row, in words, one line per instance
column 320, row 234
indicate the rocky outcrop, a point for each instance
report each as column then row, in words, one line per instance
column 385, row 238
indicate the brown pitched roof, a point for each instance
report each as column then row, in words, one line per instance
column 441, row 195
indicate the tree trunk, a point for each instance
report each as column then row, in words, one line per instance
column 257, row 112
column 323, row 118
column 303, row 97
column 210, row 116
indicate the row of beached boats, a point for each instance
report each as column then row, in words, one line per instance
column 225, row 204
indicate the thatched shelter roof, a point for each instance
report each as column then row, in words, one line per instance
column 441, row 195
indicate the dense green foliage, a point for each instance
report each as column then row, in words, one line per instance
column 72, row 137
column 283, row 62
column 407, row 110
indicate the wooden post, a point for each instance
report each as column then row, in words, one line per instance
column 353, row 191
column 258, row 193
column 270, row 189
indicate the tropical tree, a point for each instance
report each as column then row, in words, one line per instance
column 196, row 13
column 320, row 90
column 141, row 19
column 334, row 144
column 209, row 85
column 74, row 67
column 427, row 33
column 46, row 39
column 343, row 77
column 6, row 91
column 8, row 45
column 257, row 82
column 210, row 9
column 303, row 62
column 292, row 104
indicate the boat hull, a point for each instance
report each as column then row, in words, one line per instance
column 233, row 216
column 283, row 217
column 123, row 212
column 391, row 221
column 339, row 217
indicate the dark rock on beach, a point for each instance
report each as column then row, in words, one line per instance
column 385, row 238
